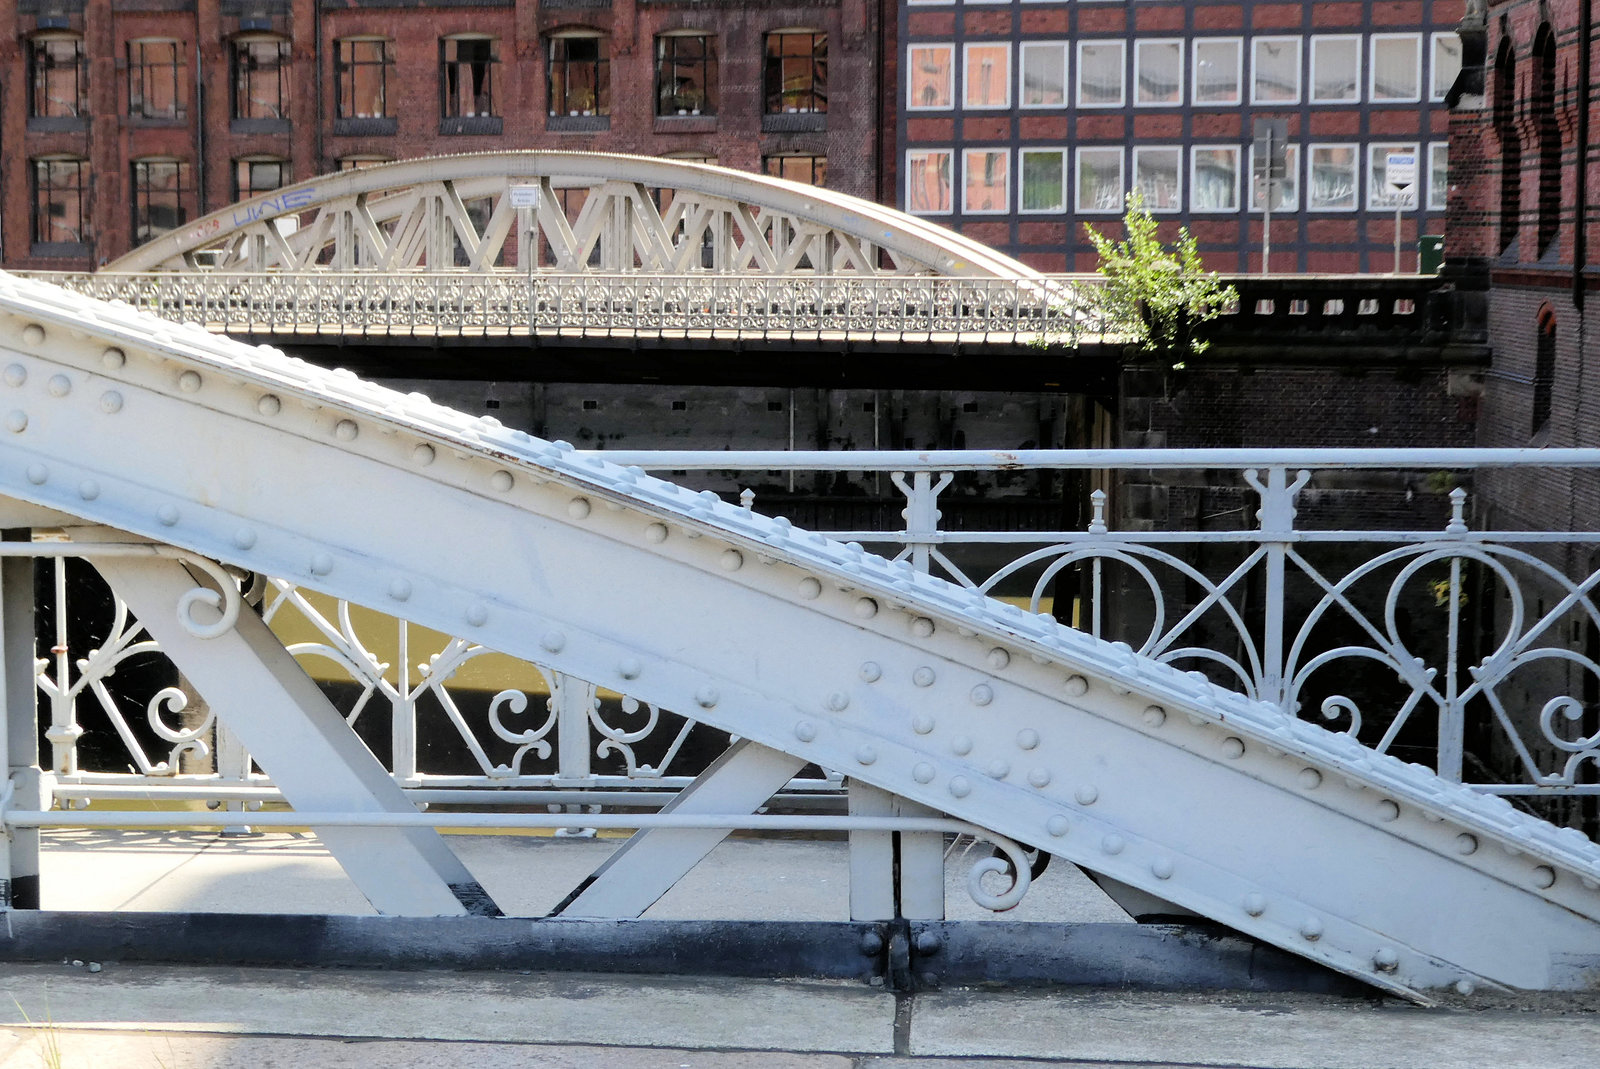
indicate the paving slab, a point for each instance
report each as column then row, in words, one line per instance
column 1259, row 1032
column 797, row 1016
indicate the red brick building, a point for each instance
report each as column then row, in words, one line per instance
column 122, row 118
column 1020, row 121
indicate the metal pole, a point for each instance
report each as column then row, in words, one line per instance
column 1266, row 225
column 1399, row 199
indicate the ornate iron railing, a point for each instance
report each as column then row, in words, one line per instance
column 1471, row 650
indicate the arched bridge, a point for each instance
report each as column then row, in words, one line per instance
column 174, row 460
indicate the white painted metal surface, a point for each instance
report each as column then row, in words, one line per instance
column 924, row 688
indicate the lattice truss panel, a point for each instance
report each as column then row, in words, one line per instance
column 592, row 213
column 170, row 443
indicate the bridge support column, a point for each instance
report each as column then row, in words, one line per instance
column 19, row 736
column 894, row 874
column 301, row 740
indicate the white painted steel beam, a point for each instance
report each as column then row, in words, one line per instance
column 1153, row 777
column 296, row 735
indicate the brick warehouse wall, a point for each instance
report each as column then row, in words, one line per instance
column 312, row 143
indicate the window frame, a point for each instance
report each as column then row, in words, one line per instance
column 1194, row 168
column 1064, row 157
column 237, row 72
column 1176, row 152
column 1003, row 185
column 1438, row 176
column 599, row 68
column 1299, row 70
column 1064, row 49
column 145, row 73
column 80, row 191
column 452, row 70
column 1291, row 167
column 1078, row 185
column 1122, row 71
column 1355, row 176
column 348, row 68
column 38, row 76
column 1139, row 45
column 1355, row 80
column 680, row 99
column 1435, row 93
column 1378, row 39
column 815, row 158
column 912, row 155
column 1004, row 81
column 285, row 175
column 1195, row 100
column 1374, row 185
column 949, row 93
column 140, row 195
column 775, row 63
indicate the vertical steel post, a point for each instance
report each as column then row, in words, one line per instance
column 403, row 719
column 1452, row 716
column 64, row 731
column 573, row 700
column 1277, row 519
column 26, row 785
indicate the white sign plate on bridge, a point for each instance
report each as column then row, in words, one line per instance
column 1400, row 171
column 524, row 196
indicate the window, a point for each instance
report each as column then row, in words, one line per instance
column 361, row 72
column 1544, row 368
column 1216, row 70
column 796, row 78
column 357, row 163
column 1505, row 104
column 255, row 175
column 1158, row 177
column 931, row 84
column 466, row 76
column 58, row 77
column 1214, row 178
column 580, row 75
column 156, row 87
column 1100, row 69
column 260, row 78
column 1446, row 64
column 60, row 190
column 987, row 76
column 1044, row 74
column 1332, row 178
column 1158, row 73
column 159, row 188
column 1100, row 180
column 1335, row 70
column 1549, row 134
column 928, row 181
column 811, row 170
column 1275, row 71
column 1438, row 175
column 1043, row 186
column 988, row 182
column 686, row 74
column 1288, row 187
column 1396, row 67
column 1379, row 192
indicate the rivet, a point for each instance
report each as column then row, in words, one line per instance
column 1388, row 811
column 477, row 614
column 707, row 697
column 982, row 694
column 1028, row 739
column 578, row 508
column 1087, row 794
column 871, row 943
column 244, row 538
column 269, row 405
column 1057, row 825
column 1385, row 959
column 16, row 375
column 16, row 421
column 922, row 723
column 865, row 608
column 923, row 677
column 33, row 334
column 959, row 786
column 321, row 564
column 655, row 533
column 1154, row 716
column 1310, row 779
column 1544, row 876
column 1161, row 868
column 400, row 589
column 38, row 474
column 1075, row 686
column 1311, row 929
column 58, row 386
column 998, row 768
column 630, row 668
column 189, row 381
column 553, row 641
column 346, row 430
column 961, row 745
column 1465, row 987
column 1255, row 903
column 922, row 772
column 1232, row 747
column 866, row 755
column 501, row 481
column 1466, row 844
column 731, row 560
column 838, row 701
column 111, row 402
column 805, row 731
column 167, row 514
column 88, row 489
column 810, row 588
column 113, row 358
column 1039, row 778
column 870, row 672
column 922, row 627
column 998, row 658
column 1113, row 844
